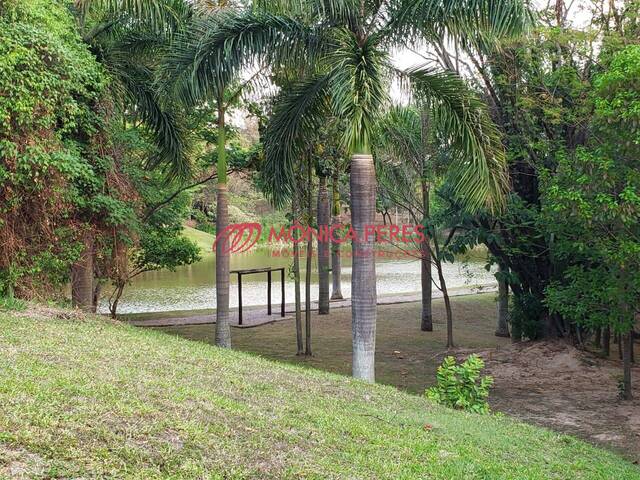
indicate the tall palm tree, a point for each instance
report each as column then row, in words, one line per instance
column 336, row 261
column 345, row 46
column 223, row 89
column 411, row 156
column 324, row 245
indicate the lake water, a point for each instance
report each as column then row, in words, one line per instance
column 192, row 287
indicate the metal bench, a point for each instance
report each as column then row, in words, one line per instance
column 252, row 271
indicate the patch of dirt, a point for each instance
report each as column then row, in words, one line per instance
column 47, row 311
column 17, row 463
column 555, row 385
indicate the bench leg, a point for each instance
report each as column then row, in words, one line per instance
column 239, row 299
column 282, row 292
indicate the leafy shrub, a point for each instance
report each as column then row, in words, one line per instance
column 9, row 304
column 526, row 313
column 461, row 386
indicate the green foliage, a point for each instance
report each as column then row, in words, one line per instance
column 527, row 314
column 162, row 248
column 461, row 386
column 9, row 304
column 341, row 53
column 49, row 85
column 592, row 206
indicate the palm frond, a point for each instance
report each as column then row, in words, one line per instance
column 158, row 14
column 398, row 136
column 468, row 21
column 161, row 119
column 358, row 87
column 397, row 184
column 478, row 167
column 298, row 114
column 333, row 12
column 213, row 50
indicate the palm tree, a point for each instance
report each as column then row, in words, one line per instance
column 223, row 89
column 345, row 47
column 324, row 244
column 336, row 261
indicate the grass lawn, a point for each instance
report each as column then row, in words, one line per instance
column 87, row 398
column 204, row 240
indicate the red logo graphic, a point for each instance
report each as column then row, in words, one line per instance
column 238, row 237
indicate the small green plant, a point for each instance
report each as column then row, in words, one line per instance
column 461, row 386
column 8, row 304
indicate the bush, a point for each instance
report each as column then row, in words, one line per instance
column 10, row 304
column 461, row 386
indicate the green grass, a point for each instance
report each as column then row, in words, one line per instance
column 87, row 398
column 204, row 240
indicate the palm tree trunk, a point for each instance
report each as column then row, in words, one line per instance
column 426, row 324
column 502, row 329
column 223, row 330
column 307, row 286
column 82, row 276
column 336, row 264
column 363, row 278
column 296, row 281
column 324, row 247
column 626, row 345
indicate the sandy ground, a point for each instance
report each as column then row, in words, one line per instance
column 558, row 386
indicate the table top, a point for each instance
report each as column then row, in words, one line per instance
column 257, row 270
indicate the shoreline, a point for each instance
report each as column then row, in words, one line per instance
column 163, row 318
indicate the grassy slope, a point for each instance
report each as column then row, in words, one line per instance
column 204, row 240
column 87, row 398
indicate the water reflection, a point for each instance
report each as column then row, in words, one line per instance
column 192, row 287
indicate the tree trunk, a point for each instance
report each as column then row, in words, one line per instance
column 307, row 286
column 606, row 342
column 296, row 280
column 113, row 305
column 447, row 304
column 426, row 278
column 363, row 278
column 426, row 324
column 82, row 276
column 97, row 292
column 336, row 263
column 502, row 329
column 626, row 346
column 620, row 342
column 597, row 341
column 324, row 247
column 223, row 329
